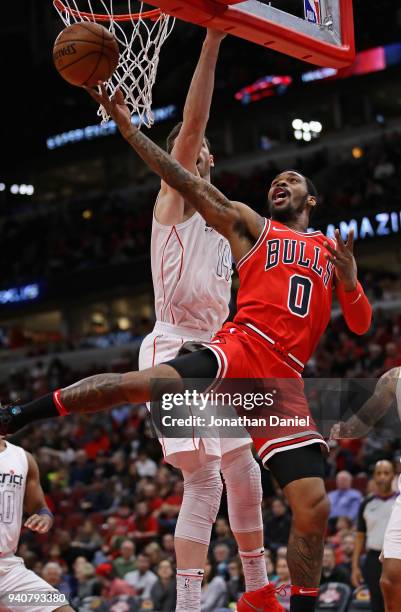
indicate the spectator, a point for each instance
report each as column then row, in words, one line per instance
column 144, row 527
column 344, row 500
column 221, row 557
column 277, row 525
column 168, row 547
column 145, row 466
column 331, row 572
column 87, row 584
column 142, row 579
column 214, row 590
column 126, row 561
column 347, row 548
column 223, row 534
column 81, row 470
column 110, row 586
column 87, row 539
column 236, row 582
column 154, row 552
column 53, row 575
column 98, row 497
column 163, row 592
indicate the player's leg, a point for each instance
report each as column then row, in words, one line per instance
column 242, row 477
column 104, row 391
column 201, row 501
column 300, row 473
column 390, row 581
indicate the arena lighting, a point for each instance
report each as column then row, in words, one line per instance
column 2, row 186
column 99, row 130
column 357, row 152
column 15, row 295
column 20, row 189
column 373, row 226
column 306, row 130
column 87, row 214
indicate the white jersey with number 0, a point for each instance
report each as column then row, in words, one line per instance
column 13, row 475
column 191, row 270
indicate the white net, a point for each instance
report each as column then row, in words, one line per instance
column 140, row 35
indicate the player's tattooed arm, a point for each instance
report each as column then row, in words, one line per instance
column 361, row 423
column 94, row 393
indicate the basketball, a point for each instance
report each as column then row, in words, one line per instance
column 85, row 53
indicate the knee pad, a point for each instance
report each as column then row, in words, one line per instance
column 202, row 495
column 242, row 476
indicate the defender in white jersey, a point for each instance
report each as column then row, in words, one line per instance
column 387, row 392
column 20, row 489
column 191, row 270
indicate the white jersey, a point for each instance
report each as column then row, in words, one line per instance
column 13, row 475
column 191, row 270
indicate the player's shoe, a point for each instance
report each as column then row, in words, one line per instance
column 7, row 420
column 262, row 600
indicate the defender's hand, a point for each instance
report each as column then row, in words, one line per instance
column 115, row 107
column 343, row 260
column 39, row 522
column 215, row 35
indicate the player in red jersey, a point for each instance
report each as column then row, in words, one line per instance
column 286, row 281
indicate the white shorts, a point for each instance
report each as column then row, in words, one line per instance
column 392, row 537
column 22, row 585
column 162, row 344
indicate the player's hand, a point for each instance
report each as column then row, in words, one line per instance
column 115, row 107
column 356, row 577
column 215, row 35
column 343, row 260
column 39, row 522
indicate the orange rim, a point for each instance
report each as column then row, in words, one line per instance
column 153, row 14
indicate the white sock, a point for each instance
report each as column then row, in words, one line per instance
column 189, row 582
column 254, row 566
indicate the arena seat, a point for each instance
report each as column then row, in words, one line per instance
column 334, row 596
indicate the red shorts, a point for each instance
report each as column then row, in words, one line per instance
column 244, row 354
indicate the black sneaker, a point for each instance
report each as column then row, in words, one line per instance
column 7, row 419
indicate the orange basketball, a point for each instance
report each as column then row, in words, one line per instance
column 85, row 53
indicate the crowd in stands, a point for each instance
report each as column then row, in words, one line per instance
column 116, row 502
column 114, row 229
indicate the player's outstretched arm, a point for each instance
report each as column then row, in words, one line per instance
column 236, row 221
column 40, row 518
column 187, row 145
column 361, row 423
column 354, row 304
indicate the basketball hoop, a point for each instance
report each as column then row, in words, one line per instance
column 140, row 36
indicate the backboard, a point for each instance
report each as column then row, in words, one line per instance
column 320, row 32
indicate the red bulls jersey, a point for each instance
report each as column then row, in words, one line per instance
column 286, row 287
